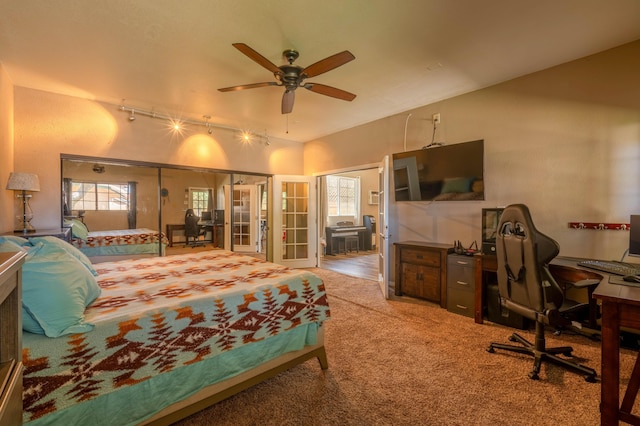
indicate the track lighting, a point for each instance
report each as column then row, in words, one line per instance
column 178, row 125
column 206, row 122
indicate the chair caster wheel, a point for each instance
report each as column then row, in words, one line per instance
column 512, row 339
column 568, row 354
column 590, row 379
column 534, row 376
column 491, row 350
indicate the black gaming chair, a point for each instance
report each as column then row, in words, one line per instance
column 192, row 229
column 526, row 287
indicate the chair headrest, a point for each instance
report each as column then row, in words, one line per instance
column 516, row 220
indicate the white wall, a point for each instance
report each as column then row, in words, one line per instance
column 565, row 141
column 7, row 198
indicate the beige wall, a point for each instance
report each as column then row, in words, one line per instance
column 47, row 125
column 6, row 151
column 564, row 141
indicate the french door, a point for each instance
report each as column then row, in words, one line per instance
column 295, row 221
column 242, row 230
column 384, row 257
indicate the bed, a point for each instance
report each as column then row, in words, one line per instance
column 168, row 336
column 119, row 244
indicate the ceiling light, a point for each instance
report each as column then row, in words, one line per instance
column 206, row 122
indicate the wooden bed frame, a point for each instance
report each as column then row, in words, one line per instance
column 233, row 385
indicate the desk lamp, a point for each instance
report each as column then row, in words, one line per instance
column 24, row 182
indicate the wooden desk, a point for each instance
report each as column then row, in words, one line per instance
column 620, row 308
column 215, row 230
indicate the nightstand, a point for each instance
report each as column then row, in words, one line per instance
column 62, row 233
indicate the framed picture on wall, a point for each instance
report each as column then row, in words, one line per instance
column 373, row 197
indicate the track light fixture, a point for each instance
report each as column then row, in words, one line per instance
column 206, row 121
column 178, row 125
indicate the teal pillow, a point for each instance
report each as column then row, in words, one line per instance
column 456, row 185
column 15, row 239
column 9, row 246
column 79, row 230
column 49, row 240
column 56, row 289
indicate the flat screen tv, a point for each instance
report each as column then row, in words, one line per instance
column 441, row 173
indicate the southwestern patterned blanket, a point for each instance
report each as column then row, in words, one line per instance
column 121, row 241
column 163, row 314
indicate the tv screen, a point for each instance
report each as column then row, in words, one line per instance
column 444, row 173
column 634, row 235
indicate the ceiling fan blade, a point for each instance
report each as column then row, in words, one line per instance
column 248, row 86
column 258, row 58
column 327, row 64
column 323, row 89
column 287, row 101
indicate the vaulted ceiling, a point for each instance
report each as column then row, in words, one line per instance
column 172, row 56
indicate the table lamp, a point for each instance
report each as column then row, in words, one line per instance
column 24, row 182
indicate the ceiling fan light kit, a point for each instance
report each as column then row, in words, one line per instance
column 292, row 76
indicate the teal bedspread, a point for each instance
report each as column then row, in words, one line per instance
column 166, row 327
column 122, row 242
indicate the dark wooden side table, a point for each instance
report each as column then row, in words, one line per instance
column 421, row 270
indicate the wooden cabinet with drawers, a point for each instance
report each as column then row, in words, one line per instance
column 11, row 338
column 421, row 270
column 461, row 283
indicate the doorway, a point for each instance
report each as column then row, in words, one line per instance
column 348, row 206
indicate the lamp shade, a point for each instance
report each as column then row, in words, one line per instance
column 23, row 182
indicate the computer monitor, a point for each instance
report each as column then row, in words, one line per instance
column 205, row 216
column 634, row 235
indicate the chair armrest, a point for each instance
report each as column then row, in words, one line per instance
column 586, row 283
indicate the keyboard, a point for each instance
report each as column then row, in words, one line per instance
column 611, row 267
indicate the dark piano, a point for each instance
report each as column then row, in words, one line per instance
column 340, row 231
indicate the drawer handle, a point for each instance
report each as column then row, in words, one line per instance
column 461, row 307
column 460, row 262
column 461, row 283
column 419, row 256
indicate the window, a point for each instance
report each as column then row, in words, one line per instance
column 99, row 196
column 199, row 200
column 343, row 195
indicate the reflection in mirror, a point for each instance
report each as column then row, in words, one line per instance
column 198, row 190
column 112, row 209
column 114, row 196
column 109, row 196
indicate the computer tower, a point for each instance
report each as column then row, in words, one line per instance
column 496, row 313
column 490, row 220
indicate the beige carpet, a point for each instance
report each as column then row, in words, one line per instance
column 404, row 362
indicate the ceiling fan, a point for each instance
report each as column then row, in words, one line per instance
column 292, row 76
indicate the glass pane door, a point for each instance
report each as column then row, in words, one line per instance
column 294, row 212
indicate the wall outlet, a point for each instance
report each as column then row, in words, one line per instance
column 436, row 118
